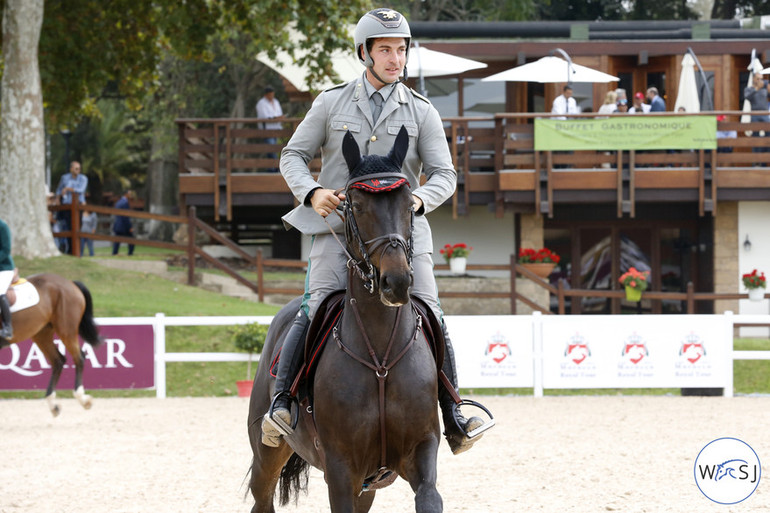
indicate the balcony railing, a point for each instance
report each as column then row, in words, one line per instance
column 497, row 162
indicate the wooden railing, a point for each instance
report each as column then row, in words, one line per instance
column 258, row 264
column 495, row 157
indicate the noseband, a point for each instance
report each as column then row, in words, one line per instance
column 374, row 183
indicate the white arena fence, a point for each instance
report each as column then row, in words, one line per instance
column 499, row 351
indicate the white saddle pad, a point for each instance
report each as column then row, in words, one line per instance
column 26, row 296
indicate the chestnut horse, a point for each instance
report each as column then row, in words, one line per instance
column 65, row 308
column 374, row 396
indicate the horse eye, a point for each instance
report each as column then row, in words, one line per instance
column 357, row 207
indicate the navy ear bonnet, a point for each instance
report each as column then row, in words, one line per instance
column 376, row 173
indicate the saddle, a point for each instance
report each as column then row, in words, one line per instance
column 320, row 330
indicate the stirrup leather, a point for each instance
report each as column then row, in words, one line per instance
column 488, row 424
column 282, row 427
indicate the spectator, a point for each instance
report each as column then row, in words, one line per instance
column 88, row 226
column 70, row 184
column 564, row 103
column 122, row 226
column 639, row 106
column 621, row 94
column 269, row 108
column 757, row 95
column 622, row 106
column 657, row 104
column 610, row 103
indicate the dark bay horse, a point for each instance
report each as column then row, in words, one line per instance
column 374, row 401
column 65, row 308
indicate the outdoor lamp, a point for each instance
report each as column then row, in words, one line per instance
column 747, row 243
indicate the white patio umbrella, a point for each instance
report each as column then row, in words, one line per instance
column 551, row 69
column 687, row 96
column 422, row 63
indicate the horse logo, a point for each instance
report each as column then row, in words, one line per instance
column 692, row 349
column 577, row 350
column 498, row 348
column 635, row 349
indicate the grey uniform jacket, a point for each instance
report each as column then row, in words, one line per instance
column 346, row 108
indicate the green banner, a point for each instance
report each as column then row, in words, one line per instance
column 635, row 132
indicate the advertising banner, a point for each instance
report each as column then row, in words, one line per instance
column 124, row 360
column 626, row 351
column 627, row 133
column 494, row 353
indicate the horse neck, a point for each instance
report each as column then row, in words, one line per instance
column 378, row 321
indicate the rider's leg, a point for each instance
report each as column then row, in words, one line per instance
column 326, row 273
column 425, row 288
column 6, row 332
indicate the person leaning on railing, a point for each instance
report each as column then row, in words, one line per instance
column 757, row 95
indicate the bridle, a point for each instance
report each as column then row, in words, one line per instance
column 362, row 266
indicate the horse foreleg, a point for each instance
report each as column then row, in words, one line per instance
column 422, row 478
column 84, row 399
column 343, row 488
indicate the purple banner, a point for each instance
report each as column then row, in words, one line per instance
column 125, row 360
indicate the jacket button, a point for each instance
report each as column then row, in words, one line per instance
column 374, row 138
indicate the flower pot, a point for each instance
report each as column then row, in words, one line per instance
column 244, row 387
column 633, row 294
column 543, row 270
column 457, row 265
column 756, row 294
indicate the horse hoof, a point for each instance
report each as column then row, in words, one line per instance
column 55, row 411
column 87, row 402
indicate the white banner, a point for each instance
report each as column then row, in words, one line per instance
column 635, row 351
column 493, row 350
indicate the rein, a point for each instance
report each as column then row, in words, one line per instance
column 381, row 369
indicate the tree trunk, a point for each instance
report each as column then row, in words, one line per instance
column 23, row 202
column 163, row 195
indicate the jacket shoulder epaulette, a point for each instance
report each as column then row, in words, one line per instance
column 336, row 86
column 418, row 95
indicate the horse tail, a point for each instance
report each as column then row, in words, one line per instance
column 87, row 328
column 294, row 479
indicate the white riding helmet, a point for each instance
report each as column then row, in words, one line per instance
column 376, row 23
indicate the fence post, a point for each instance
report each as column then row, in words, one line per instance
column 560, row 296
column 75, row 225
column 260, row 280
column 191, row 245
column 730, row 335
column 513, row 284
column 690, row 298
column 537, row 351
column 159, row 332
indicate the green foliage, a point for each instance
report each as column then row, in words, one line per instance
column 250, row 337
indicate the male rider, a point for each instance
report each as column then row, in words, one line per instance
column 372, row 108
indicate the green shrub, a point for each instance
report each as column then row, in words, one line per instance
column 250, row 338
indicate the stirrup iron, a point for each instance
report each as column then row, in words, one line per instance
column 282, row 427
column 489, row 424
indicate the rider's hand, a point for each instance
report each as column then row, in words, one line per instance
column 324, row 201
column 417, row 203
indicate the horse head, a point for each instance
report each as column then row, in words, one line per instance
column 379, row 218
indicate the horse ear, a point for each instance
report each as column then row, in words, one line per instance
column 351, row 151
column 398, row 152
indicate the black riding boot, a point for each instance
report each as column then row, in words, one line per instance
column 455, row 434
column 6, row 332
column 277, row 422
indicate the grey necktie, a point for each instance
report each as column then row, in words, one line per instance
column 377, row 99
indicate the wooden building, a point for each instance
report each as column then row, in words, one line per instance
column 684, row 214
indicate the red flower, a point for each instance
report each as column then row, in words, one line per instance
column 458, row 250
column 541, row 256
column 754, row 280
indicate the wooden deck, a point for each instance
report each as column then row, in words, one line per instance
column 225, row 162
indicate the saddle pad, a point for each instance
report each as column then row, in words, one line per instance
column 26, row 295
